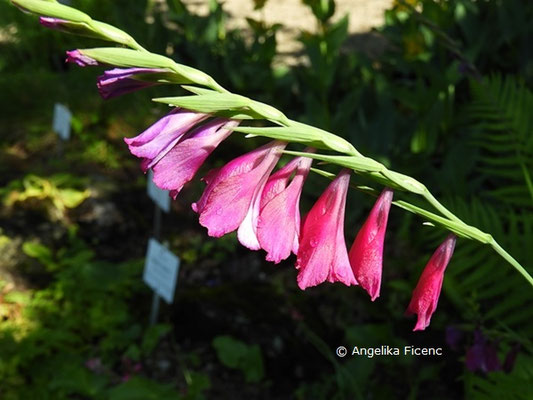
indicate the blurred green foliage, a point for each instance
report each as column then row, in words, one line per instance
column 443, row 93
column 236, row 354
column 55, row 194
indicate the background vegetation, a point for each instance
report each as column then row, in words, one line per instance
column 448, row 100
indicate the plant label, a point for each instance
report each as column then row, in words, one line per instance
column 159, row 196
column 62, row 118
column 161, row 270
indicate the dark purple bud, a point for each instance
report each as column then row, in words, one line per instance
column 510, row 358
column 454, row 336
column 483, row 355
column 492, row 362
column 474, row 358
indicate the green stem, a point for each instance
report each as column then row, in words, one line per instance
column 501, row 251
column 527, row 177
column 438, row 205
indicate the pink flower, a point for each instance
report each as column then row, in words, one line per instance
column 427, row 291
column 179, row 165
column 231, row 198
column 278, row 226
column 366, row 254
column 322, row 253
column 156, row 141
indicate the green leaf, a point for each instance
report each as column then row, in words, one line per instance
column 238, row 355
column 143, row 389
column 16, row 297
column 37, row 250
column 72, row 198
column 153, row 335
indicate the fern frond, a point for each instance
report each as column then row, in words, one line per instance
column 502, row 386
column 501, row 111
column 478, row 283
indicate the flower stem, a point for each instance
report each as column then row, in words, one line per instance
column 502, row 252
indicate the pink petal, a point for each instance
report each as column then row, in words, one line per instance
column 180, row 164
column 280, row 208
column 230, row 191
column 366, row 254
column 427, row 291
column 322, row 254
column 158, row 139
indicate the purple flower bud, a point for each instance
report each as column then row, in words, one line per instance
column 52, row 23
column 118, row 81
column 76, row 56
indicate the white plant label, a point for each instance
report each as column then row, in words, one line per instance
column 62, row 118
column 159, row 196
column 161, row 270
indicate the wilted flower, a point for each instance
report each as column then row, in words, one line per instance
column 156, row 141
column 427, row 291
column 366, row 254
column 278, row 226
column 119, row 81
column 231, row 198
column 179, row 165
column 322, row 252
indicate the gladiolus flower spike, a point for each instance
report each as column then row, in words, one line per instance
column 427, row 291
column 366, row 254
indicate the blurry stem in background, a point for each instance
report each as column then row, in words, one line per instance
column 343, row 377
column 215, row 99
column 154, row 311
column 446, row 41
